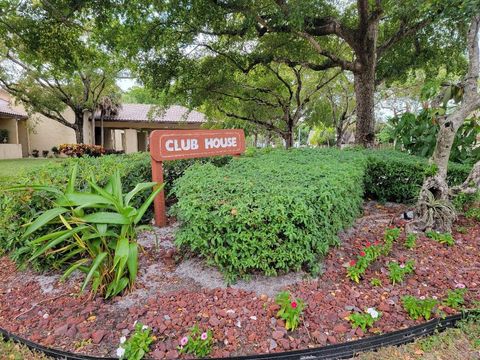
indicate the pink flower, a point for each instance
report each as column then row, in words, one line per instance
column 368, row 244
column 352, row 263
column 362, row 253
column 184, row 341
column 293, row 304
column 204, row 336
column 460, row 286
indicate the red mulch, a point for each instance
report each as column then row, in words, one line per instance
column 243, row 322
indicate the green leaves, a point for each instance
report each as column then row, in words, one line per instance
column 291, row 309
column 96, row 233
column 270, row 213
column 43, row 219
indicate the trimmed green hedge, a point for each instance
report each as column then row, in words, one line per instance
column 395, row 176
column 269, row 213
column 18, row 208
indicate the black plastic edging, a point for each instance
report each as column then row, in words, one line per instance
column 331, row 352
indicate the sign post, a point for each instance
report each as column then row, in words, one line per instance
column 187, row 144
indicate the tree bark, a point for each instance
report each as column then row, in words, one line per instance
column 364, row 83
column 288, row 137
column 434, row 208
column 79, row 127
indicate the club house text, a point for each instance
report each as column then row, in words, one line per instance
column 194, row 144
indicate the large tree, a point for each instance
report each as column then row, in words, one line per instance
column 434, row 209
column 50, row 61
column 371, row 39
column 273, row 97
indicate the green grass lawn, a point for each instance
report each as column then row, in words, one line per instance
column 9, row 169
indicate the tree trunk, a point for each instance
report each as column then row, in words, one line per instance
column 339, row 139
column 434, row 208
column 288, row 137
column 79, row 127
column 364, row 82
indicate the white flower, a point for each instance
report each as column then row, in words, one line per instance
column 460, row 286
column 402, row 266
column 422, row 297
column 434, row 297
column 373, row 313
column 123, row 339
column 120, row 352
column 144, row 327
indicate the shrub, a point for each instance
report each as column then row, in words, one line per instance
column 273, row 212
column 398, row 177
column 79, row 150
column 95, row 232
column 17, row 209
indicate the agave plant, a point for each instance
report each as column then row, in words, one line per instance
column 95, row 233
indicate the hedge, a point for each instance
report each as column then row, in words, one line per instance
column 269, row 213
column 19, row 208
column 281, row 211
column 395, row 176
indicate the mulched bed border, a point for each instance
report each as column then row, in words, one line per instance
column 337, row 351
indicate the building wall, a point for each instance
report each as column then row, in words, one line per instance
column 44, row 133
column 10, row 151
column 11, row 126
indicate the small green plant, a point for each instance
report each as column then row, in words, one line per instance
column 462, row 229
column 421, row 307
column 197, row 343
column 364, row 320
column 473, row 213
column 376, row 282
column 138, row 345
column 370, row 253
column 445, row 238
column 410, row 241
column 95, row 232
column 391, row 234
column 397, row 272
column 455, row 298
column 290, row 309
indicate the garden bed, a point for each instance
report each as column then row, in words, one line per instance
column 171, row 296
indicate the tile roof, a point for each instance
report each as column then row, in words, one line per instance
column 145, row 112
column 5, row 109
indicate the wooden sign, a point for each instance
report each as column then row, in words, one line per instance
column 187, row 144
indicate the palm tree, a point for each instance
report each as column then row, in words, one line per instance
column 108, row 105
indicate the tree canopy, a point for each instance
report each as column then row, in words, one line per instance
column 51, row 60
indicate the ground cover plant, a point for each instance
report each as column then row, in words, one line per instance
column 441, row 238
column 291, row 309
column 419, row 307
column 397, row 272
column 269, row 213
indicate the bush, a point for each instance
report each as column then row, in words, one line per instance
column 79, row 150
column 94, row 231
column 395, row 176
column 273, row 212
column 18, row 208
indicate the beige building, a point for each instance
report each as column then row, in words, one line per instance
column 128, row 130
